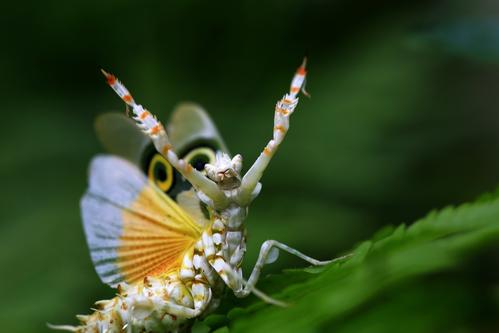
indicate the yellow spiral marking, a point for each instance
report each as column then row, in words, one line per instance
column 165, row 184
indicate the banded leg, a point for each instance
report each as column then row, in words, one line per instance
column 269, row 253
column 283, row 110
column 155, row 130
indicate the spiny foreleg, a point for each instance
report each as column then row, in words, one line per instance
column 283, row 110
column 156, row 131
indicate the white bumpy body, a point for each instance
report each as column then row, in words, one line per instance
column 166, row 303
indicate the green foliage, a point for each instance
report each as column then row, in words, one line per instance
column 403, row 119
column 426, row 277
column 476, row 39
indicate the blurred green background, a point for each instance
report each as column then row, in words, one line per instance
column 403, row 119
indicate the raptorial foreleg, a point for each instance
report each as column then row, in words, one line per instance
column 156, row 131
column 283, row 110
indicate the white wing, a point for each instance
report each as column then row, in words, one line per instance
column 133, row 229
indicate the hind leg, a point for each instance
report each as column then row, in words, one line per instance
column 269, row 253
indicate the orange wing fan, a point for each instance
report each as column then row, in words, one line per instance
column 133, row 229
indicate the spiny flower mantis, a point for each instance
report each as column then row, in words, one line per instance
column 171, row 237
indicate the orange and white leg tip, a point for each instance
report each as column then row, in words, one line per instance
column 119, row 88
column 111, row 79
column 298, row 82
column 302, row 69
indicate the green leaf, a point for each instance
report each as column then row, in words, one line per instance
column 431, row 264
column 215, row 320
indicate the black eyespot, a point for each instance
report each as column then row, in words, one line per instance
column 160, row 172
column 199, row 157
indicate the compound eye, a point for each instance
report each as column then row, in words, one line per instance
column 199, row 157
column 160, row 172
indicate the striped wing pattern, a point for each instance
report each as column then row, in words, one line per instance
column 133, row 229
